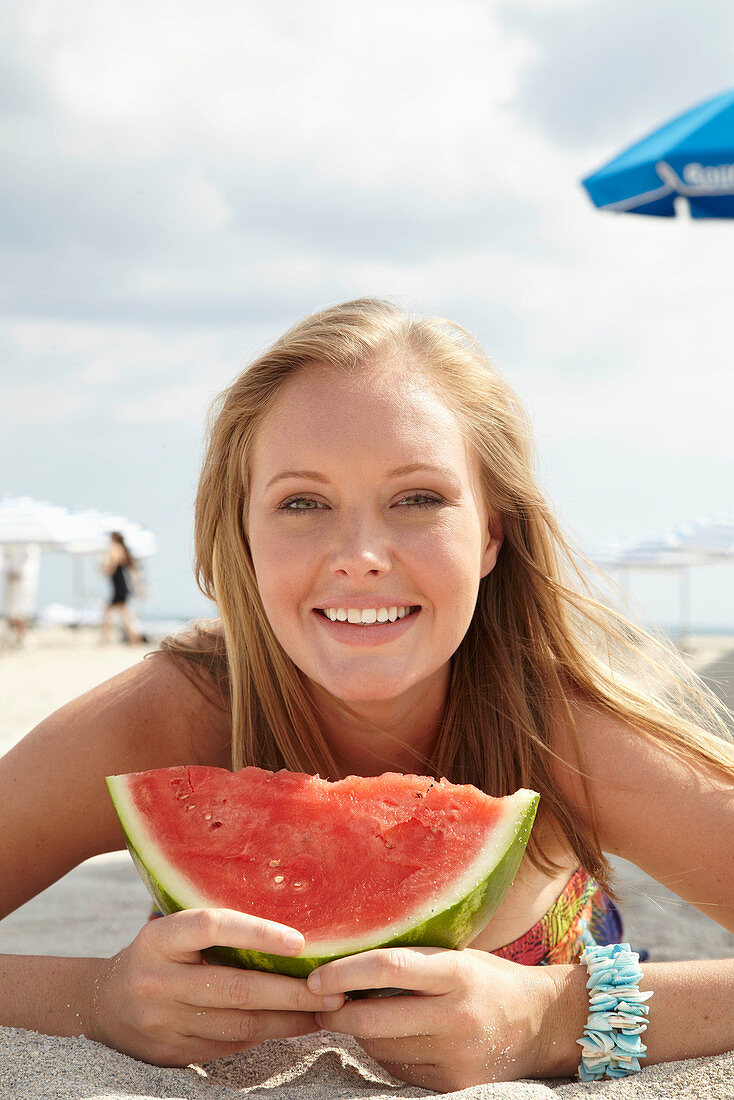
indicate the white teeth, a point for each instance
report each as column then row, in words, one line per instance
column 365, row 616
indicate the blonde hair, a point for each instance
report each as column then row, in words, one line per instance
column 538, row 635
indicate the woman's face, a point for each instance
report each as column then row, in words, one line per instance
column 365, row 505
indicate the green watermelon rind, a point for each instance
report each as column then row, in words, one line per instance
column 452, row 927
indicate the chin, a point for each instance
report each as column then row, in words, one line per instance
column 367, row 689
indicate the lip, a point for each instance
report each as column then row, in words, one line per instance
column 357, row 634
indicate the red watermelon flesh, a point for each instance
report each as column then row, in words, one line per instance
column 351, row 864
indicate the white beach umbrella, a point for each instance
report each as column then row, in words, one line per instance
column 702, row 542
column 94, row 529
column 711, row 537
column 49, row 527
column 24, row 521
column 705, row 541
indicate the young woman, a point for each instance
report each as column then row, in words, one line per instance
column 395, row 594
column 120, row 566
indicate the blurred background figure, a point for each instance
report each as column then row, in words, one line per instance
column 124, row 573
column 21, row 570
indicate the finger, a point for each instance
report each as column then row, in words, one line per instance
column 380, row 1018
column 226, row 1025
column 182, row 936
column 416, row 1050
column 429, row 970
column 199, row 1050
column 427, row 1075
column 190, row 1049
column 228, row 987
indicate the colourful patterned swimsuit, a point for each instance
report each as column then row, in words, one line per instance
column 581, row 916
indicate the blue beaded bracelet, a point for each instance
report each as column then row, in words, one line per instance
column 611, row 1042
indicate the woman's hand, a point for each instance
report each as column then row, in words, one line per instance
column 159, row 1003
column 473, row 1017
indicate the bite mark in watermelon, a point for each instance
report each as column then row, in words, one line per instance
column 361, row 863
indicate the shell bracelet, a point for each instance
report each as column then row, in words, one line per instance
column 611, row 1043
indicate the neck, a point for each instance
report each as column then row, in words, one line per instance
column 386, row 735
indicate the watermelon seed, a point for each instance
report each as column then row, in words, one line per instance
column 207, row 817
column 274, row 862
column 278, row 878
column 298, row 884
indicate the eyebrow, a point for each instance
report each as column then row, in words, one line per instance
column 399, row 471
column 304, row 475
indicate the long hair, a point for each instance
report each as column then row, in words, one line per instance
column 538, row 633
column 129, row 561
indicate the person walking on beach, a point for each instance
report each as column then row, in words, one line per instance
column 395, row 593
column 22, row 568
column 122, row 569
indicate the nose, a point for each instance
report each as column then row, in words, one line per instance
column 361, row 550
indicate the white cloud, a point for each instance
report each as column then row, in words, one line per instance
column 609, row 71
column 360, row 102
column 181, row 182
column 31, row 404
column 118, row 374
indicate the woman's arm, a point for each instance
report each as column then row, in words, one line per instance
column 675, row 821
column 672, row 819
column 48, row 994
column 55, row 811
column 110, row 562
column 476, row 1018
column 155, row 999
column 691, row 1013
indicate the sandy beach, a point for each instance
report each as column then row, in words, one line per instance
column 100, row 905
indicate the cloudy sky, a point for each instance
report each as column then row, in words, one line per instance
column 182, row 180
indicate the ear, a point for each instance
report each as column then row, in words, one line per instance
column 495, row 537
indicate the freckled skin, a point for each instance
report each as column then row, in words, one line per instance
column 365, row 534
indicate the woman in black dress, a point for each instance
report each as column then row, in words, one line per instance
column 120, row 566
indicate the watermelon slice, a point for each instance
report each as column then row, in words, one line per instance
column 353, row 865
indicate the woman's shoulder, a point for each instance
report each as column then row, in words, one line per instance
column 594, row 748
column 187, row 708
column 152, row 715
column 200, row 652
column 55, row 810
column 647, row 802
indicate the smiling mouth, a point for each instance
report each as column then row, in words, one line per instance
column 368, row 615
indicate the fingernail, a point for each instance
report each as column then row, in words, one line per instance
column 293, row 941
column 333, row 1000
column 314, row 982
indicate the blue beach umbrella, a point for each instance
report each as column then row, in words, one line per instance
column 692, row 156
